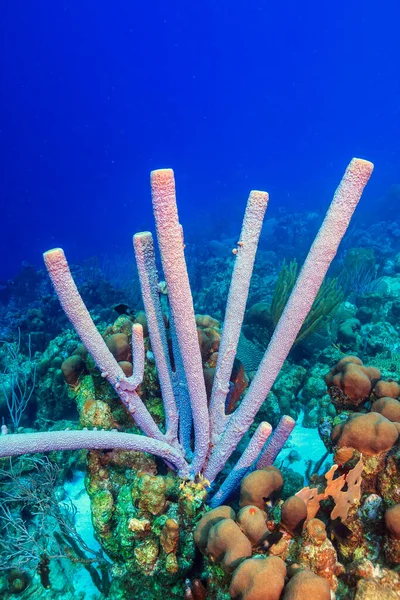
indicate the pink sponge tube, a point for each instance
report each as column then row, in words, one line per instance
column 146, row 264
column 316, row 265
column 235, row 308
column 80, row 318
column 170, row 241
column 47, row 441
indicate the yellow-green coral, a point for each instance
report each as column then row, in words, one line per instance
column 148, row 494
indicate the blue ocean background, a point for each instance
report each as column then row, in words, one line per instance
column 233, row 95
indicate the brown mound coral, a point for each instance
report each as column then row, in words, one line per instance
column 127, row 367
column 252, row 521
column 369, row 433
column 293, row 513
column 259, row 486
column 211, row 518
column 227, row 544
column 388, row 407
column 387, row 389
column 306, row 584
column 205, row 321
column 119, row 346
column 208, row 341
column 350, row 382
column 392, row 522
column 392, row 542
column 73, row 367
column 258, row 579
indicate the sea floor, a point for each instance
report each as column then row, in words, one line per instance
column 308, row 446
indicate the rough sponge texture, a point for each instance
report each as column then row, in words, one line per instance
column 276, row 442
column 146, row 264
column 235, row 307
column 298, row 306
column 244, row 463
column 170, row 241
column 78, row 314
column 15, row 445
column 80, row 318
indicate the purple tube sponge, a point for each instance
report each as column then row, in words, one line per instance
column 235, row 307
column 170, row 241
column 276, row 442
column 80, row 318
column 146, row 264
column 183, row 391
column 29, row 443
column 243, row 465
column 298, row 306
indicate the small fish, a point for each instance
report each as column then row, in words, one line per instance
column 122, row 309
column 293, row 456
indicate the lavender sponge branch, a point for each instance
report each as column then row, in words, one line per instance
column 243, row 465
column 137, row 355
column 146, row 265
column 235, row 308
column 169, row 235
column 276, row 442
column 181, row 394
column 321, row 254
column 80, row 318
column 28, row 443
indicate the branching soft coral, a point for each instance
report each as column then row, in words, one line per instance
column 329, row 296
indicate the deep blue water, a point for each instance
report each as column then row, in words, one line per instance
column 232, row 95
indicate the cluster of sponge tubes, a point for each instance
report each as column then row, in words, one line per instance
column 199, row 437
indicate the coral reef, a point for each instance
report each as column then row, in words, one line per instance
column 175, row 409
